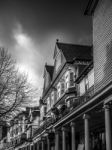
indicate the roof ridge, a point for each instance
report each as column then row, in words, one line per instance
column 74, row 44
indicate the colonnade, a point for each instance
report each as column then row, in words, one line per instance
column 86, row 119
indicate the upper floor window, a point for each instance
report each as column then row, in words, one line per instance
column 69, row 79
column 62, row 87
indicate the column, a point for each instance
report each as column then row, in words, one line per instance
column 73, row 142
column 108, row 131
column 48, row 143
column 63, row 138
column 57, row 140
column 86, row 123
column 37, row 145
column 42, row 145
column 33, row 146
column 30, row 147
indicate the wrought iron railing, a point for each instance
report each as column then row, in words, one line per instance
column 75, row 102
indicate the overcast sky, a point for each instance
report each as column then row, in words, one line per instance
column 29, row 29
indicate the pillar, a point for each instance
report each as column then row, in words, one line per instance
column 57, row 140
column 73, row 142
column 63, row 138
column 48, row 143
column 42, row 145
column 33, row 146
column 108, row 131
column 86, row 128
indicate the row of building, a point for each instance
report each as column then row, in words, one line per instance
column 75, row 108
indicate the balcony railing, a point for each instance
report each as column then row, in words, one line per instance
column 87, row 95
column 74, row 103
column 64, row 109
column 47, row 122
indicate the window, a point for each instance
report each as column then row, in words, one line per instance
column 62, row 88
column 71, row 79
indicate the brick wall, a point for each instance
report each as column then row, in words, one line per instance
column 102, row 43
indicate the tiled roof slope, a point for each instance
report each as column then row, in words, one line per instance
column 50, row 70
column 72, row 51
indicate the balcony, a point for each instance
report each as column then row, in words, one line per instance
column 70, row 91
column 72, row 103
column 84, row 98
column 47, row 122
column 75, row 102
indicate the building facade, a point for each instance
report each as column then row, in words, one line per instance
column 76, row 100
column 75, row 107
column 20, row 130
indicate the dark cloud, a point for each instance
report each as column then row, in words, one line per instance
column 40, row 22
column 39, row 18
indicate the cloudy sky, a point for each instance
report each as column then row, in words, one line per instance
column 29, row 29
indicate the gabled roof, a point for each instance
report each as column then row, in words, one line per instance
column 72, row 51
column 49, row 70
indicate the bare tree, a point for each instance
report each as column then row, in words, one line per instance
column 15, row 91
